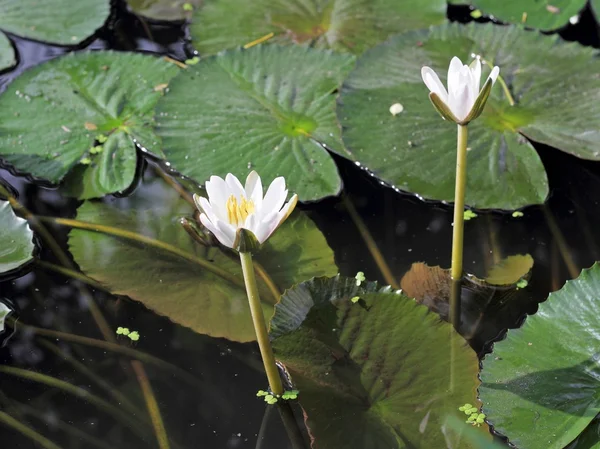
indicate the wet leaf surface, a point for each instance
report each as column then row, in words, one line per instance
column 16, row 240
column 271, row 109
column 375, row 373
column 416, row 150
column 177, row 285
column 81, row 114
column 341, row 25
column 540, row 385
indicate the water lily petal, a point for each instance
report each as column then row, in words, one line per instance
column 204, row 206
column 274, row 198
column 229, row 233
column 476, row 72
column 235, row 186
column 494, row 74
column 214, row 228
column 218, row 192
column 453, row 72
column 433, row 83
column 458, row 102
column 254, row 189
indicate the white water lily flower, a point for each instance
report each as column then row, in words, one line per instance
column 463, row 101
column 231, row 207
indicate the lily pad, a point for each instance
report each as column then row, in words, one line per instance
column 53, row 20
column 269, row 108
column 164, row 9
column 510, row 270
column 342, row 25
column 551, row 81
column 546, row 16
column 541, row 384
column 372, row 374
column 8, row 57
column 16, row 240
column 53, row 116
column 179, row 281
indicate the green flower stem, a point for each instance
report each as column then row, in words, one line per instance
column 260, row 327
column 458, row 230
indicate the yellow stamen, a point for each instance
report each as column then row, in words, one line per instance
column 237, row 213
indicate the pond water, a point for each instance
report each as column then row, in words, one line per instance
column 205, row 386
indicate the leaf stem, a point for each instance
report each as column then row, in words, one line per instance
column 11, row 422
column 370, row 243
column 458, row 225
column 260, row 326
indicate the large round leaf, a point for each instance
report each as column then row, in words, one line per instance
column 546, row 15
column 343, row 25
column 16, row 239
column 52, row 115
column 269, row 108
column 164, row 9
column 375, row 373
column 57, row 21
column 185, row 290
column 556, row 95
column 541, row 386
column 7, row 53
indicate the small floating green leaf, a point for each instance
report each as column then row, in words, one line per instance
column 469, row 214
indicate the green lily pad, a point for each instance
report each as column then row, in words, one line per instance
column 269, row 108
column 54, row 20
column 342, row 25
column 8, row 57
column 589, row 438
column 51, row 116
column 595, row 4
column 178, row 281
column 546, row 16
column 556, row 104
column 16, row 240
column 164, row 9
column 541, row 384
column 373, row 374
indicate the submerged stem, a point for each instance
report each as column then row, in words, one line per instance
column 14, row 424
column 458, row 225
column 260, row 326
column 371, row 244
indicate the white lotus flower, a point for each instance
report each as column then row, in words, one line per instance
column 231, row 207
column 462, row 102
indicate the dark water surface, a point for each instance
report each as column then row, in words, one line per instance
column 211, row 404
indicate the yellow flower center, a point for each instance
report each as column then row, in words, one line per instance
column 237, row 213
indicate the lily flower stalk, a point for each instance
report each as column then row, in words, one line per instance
column 242, row 219
column 462, row 103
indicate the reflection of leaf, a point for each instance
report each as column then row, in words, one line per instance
column 53, row 20
column 417, row 153
column 541, row 384
column 363, row 376
column 510, row 270
column 4, row 312
column 482, row 304
column 343, row 25
column 181, row 289
column 548, row 15
column 59, row 101
column 268, row 108
column 16, row 239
